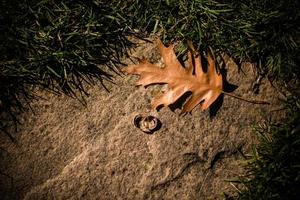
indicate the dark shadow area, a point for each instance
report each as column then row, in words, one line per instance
column 227, row 87
column 38, row 52
column 180, row 101
column 238, row 63
column 15, row 98
column 158, row 126
column 215, row 106
column 7, row 187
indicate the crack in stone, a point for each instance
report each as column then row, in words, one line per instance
column 188, row 159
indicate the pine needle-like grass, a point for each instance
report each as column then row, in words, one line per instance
column 60, row 46
column 262, row 32
column 273, row 167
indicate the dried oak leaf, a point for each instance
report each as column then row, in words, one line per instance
column 205, row 87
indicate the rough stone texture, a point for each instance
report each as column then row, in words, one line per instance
column 68, row 151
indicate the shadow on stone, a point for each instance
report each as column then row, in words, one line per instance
column 227, row 87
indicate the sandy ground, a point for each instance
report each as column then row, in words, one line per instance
column 65, row 150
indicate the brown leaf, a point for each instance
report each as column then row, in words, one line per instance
column 205, row 87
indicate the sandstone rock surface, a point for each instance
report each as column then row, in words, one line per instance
column 65, row 150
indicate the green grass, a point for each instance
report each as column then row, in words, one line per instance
column 59, row 45
column 62, row 46
column 263, row 32
column 273, row 169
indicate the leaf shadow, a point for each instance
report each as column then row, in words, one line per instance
column 180, row 101
column 217, row 104
column 227, row 87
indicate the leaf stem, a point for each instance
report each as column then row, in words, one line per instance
column 243, row 99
